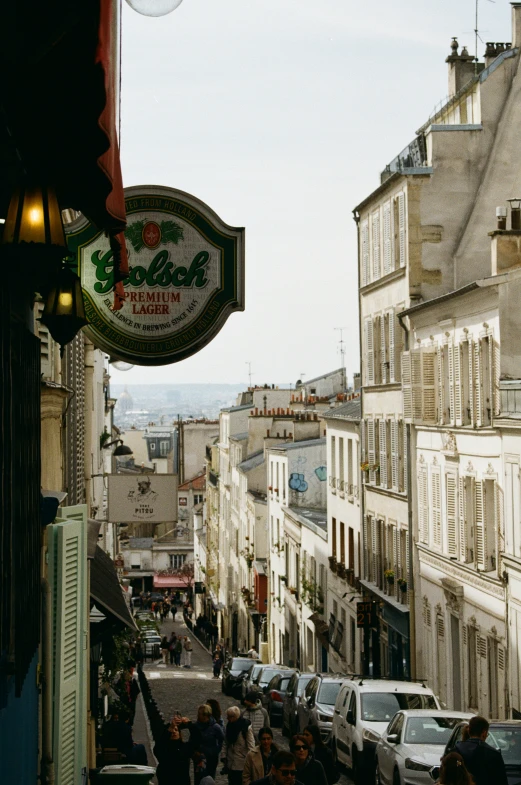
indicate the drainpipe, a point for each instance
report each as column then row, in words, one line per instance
column 412, row 611
column 47, row 762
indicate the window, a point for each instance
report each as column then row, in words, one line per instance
column 164, row 447
column 419, row 384
column 364, row 242
column 198, row 498
column 333, row 539
column 351, row 549
column 177, row 560
column 342, row 543
column 333, row 457
column 400, row 230
column 382, row 706
column 350, row 466
column 341, row 475
column 283, row 482
column 472, row 669
column 135, row 561
column 376, row 245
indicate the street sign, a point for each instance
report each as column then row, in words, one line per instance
column 365, row 614
column 186, row 276
column 135, row 498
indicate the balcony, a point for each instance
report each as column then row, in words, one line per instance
column 414, row 156
column 213, row 478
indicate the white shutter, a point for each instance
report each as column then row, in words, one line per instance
column 395, row 458
column 456, row 363
column 401, row 227
column 365, row 545
column 478, row 393
column 495, row 376
column 452, row 511
column 404, row 460
column 369, row 351
column 407, row 386
column 423, row 505
column 436, row 508
column 68, row 579
column 387, row 238
column 416, row 380
column 377, row 345
column 479, row 525
column 449, row 350
column 377, row 272
column 374, row 549
column 363, row 450
column 384, row 353
column 371, row 449
column 463, row 528
column 365, row 252
column 429, row 380
column 442, row 393
column 392, row 358
column 384, row 459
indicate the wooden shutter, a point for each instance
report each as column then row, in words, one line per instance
column 391, row 319
column 452, row 514
column 369, row 351
column 429, row 383
column 423, row 505
column 456, row 364
column 395, row 456
column 371, row 449
column 384, row 458
column 377, row 346
column 407, row 386
column 401, row 228
column 450, row 350
column 377, row 272
column 479, row 525
column 384, row 350
column 478, row 392
column 463, row 528
column 416, row 380
column 387, row 242
column 68, row 579
column 365, row 252
column 495, row 376
column 436, row 508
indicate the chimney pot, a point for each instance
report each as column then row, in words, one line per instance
column 515, row 213
column 501, row 215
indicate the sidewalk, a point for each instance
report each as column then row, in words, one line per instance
column 141, row 733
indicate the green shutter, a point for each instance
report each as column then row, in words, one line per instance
column 68, row 578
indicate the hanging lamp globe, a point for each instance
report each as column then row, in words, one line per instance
column 122, row 449
column 64, row 312
column 154, row 7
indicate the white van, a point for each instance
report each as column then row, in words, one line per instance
column 364, row 708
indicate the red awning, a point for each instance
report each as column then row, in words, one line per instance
column 169, row 582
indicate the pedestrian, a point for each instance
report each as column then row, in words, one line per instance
column 454, row 772
column 171, row 647
column 217, row 665
column 483, row 762
column 255, row 713
column 309, row 770
column 216, row 711
column 173, row 756
column 173, row 610
column 259, row 761
column 165, row 649
column 253, row 653
column 207, row 737
column 238, row 742
column 321, row 752
column 283, row 770
column 188, row 648
column 178, row 648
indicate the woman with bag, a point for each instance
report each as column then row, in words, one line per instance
column 238, row 742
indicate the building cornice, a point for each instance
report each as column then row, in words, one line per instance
column 385, row 279
column 481, row 581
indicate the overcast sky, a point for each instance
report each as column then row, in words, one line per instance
column 280, row 114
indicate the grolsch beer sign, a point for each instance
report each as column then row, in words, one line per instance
column 186, row 275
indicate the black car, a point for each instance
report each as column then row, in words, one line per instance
column 296, row 687
column 503, row 735
column 248, row 683
column 264, row 677
column 234, row 671
column 275, row 696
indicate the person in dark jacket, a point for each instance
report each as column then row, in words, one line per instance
column 173, row 755
column 321, row 753
column 309, row 770
column 207, row 736
column 482, row 761
column 283, row 771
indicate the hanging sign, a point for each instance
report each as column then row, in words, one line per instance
column 186, row 275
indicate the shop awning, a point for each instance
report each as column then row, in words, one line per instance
column 106, row 590
column 169, row 582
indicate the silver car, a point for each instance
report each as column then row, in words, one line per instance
column 410, row 749
column 317, row 703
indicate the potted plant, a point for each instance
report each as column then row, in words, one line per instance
column 389, row 577
column 333, row 564
column 402, row 583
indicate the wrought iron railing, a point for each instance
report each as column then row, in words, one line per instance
column 414, row 156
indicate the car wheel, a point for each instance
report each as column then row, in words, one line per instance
column 397, row 780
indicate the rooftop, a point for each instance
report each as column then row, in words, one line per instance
column 318, row 378
column 237, row 408
column 313, row 519
column 352, row 410
column 197, row 483
column 239, row 437
column 298, row 445
column 256, row 459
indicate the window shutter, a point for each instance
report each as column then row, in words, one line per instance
column 429, row 414
column 494, row 375
column 377, row 272
column 366, row 545
column 416, row 382
column 479, row 527
column 394, row 563
column 387, row 238
column 456, row 363
column 377, row 346
column 68, row 579
column 404, row 461
column 440, row 627
column 392, row 357
column 363, row 451
column 384, row 459
column 369, row 348
column 371, row 450
column 471, row 381
column 436, row 508
column 452, row 524
column 401, row 228
column 463, row 530
column 442, row 393
column 423, row 505
column 449, row 348
column 384, row 352
column 407, row 386
column 478, row 393
column 374, row 549
column 365, row 253
column 395, row 458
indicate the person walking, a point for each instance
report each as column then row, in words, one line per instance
column 217, row 665
column 206, row 736
column 173, row 756
column 238, row 742
column 165, row 646
column 259, row 761
column 283, row 770
column 253, row 653
column 483, row 762
column 188, row 648
column 255, row 713
column 454, row 772
column 178, row 648
column 171, row 647
column 216, row 711
column 321, row 753
column 309, row 770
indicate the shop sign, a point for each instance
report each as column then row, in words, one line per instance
column 135, row 498
column 365, row 614
column 186, row 276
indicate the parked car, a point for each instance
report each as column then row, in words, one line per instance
column 503, row 735
column 152, row 644
column 248, row 683
column 275, row 696
column 296, row 687
column 234, row 672
column 410, row 748
column 264, row 677
column 317, row 703
column 363, row 710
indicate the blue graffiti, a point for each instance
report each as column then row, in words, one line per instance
column 321, row 472
column 297, row 483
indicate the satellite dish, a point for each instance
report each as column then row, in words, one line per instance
column 154, row 7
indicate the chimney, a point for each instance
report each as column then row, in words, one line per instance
column 506, row 243
column 461, row 68
column 516, row 24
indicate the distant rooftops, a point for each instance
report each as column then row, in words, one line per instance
column 197, row 483
column 352, row 410
column 256, row 459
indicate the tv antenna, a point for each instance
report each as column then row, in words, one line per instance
column 477, row 36
column 342, row 346
column 249, row 371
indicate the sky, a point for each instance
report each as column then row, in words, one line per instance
column 280, row 115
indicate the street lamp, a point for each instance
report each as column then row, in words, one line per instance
column 121, row 449
column 64, row 312
column 154, row 7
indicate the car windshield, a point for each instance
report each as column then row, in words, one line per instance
column 239, row 664
column 508, row 740
column 429, row 730
column 382, row 706
column 302, row 683
column 256, row 670
column 268, row 674
column 328, row 692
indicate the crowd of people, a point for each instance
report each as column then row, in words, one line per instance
column 177, row 649
column 163, row 605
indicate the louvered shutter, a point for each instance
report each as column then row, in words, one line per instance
column 429, row 413
column 404, row 459
column 450, row 351
column 416, row 380
column 384, row 458
column 395, row 458
column 394, row 563
column 363, row 434
column 436, row 508
column 374, row 550
column 442, row 393
column 401, row 228
column 423, row 505
column 463, row 529
column 479, row 525
column 369, row 349
column 495, row 376
column 377, row 345
column 452, row 522
column 471, row 381
column 384, row 353
column 392, row 357
column 371, row 450
column 456, row 362
column 478, row 393
column 365, row 545
column 365, row 253
column 407, row 386
column 377, row 272
column 387, row 238
column 68, row 579
column 497, row 533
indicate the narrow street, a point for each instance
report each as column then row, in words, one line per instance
column 182, row 689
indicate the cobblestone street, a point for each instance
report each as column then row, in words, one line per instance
column 182, row 689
